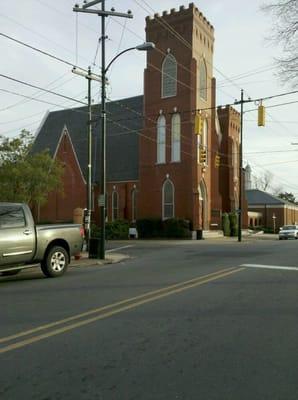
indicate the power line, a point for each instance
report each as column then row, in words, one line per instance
column 38, row 93
column 41, row 51
column 275, row 105
column 40, row 88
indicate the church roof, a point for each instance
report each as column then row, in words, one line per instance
column 258, row 197
column 124, row 124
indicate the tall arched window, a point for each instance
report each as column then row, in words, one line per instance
column 198, row 148
column 205, row 138
column 235, row 158
column 176, row 137
column 134, row 205
column 168, row 200
column 203, row 80
column 115, row 205
column 169, row 76
column 161, row 139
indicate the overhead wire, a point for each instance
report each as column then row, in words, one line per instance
column 38, row 34
column 41, row 51
column 40, row 88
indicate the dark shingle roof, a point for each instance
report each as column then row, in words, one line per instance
column 256, row 197
column 124, row 123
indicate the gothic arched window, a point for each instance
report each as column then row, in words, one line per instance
column 176, row 137
column 205, row 138
column 203, row 80
column 168, row 200
column 161, row 140
column 169, row 76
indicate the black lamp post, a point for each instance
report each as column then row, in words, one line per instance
column 102, row 198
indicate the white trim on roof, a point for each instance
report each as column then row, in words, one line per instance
column 65, row 131
column 41, row 123
column 286, row 206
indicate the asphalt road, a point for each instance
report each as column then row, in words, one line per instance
column 178, row 320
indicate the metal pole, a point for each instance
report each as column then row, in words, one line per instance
column 240, row 171
column 89, row 168
column 103, row 137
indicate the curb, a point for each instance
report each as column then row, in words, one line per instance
column 110, row 259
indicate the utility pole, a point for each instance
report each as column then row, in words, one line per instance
column 87, row 217
column 102, row 198
column 240, row 170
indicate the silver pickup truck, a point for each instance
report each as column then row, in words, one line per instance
column 24, row 244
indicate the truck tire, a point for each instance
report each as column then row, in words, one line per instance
column 55, row 262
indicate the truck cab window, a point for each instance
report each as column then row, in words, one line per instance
column 11, row 217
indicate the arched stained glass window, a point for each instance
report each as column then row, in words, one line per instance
column 176, row 137
column 161, row 140
column 205, row 138
column 235, row 157
column 169, row 76
column 203, row 80
column 168, row 200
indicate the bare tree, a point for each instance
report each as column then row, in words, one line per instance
column 285, row 14
column 264, row 181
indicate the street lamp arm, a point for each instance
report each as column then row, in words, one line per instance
column 118, row 55
column 146, row 46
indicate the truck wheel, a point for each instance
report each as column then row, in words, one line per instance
column 55, row 262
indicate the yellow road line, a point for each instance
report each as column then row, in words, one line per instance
column 59, row 331
column 100, row 309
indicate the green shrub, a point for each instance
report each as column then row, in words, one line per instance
column 226, row 224
column 95, row 231
column 176, row 228
column 233, row 223
column 117, row 230
column 149, row 228
column 267, row 229
column 170, row 228
column 114, row 230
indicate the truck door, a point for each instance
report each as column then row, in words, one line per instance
column 17, row 238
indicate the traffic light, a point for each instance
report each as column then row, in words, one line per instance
column 261, row 115
column 217, row 161
column 198, row 124
column 203, row 156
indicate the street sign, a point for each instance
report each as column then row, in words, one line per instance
column 101, row 200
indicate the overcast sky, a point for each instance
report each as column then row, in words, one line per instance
column 241, row 48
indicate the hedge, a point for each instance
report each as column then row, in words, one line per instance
column 226, row 224
column 114, row 230
column 233, row 223
column 170, row 228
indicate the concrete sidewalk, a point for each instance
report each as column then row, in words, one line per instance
column 110, row 258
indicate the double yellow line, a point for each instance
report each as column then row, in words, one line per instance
column 16, row 341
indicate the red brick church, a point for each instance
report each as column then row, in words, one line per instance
column 157, row 164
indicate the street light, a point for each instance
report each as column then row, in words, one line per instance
column 102, row 198
column 146, row 46
column 87, row 216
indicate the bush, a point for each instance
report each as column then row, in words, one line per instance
column 114, row 230
column 170, row 228
column 233, row 224
column 176, row 228
column 95, row 231
column 117, row 230
column 226, row 224
column 149, row 228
